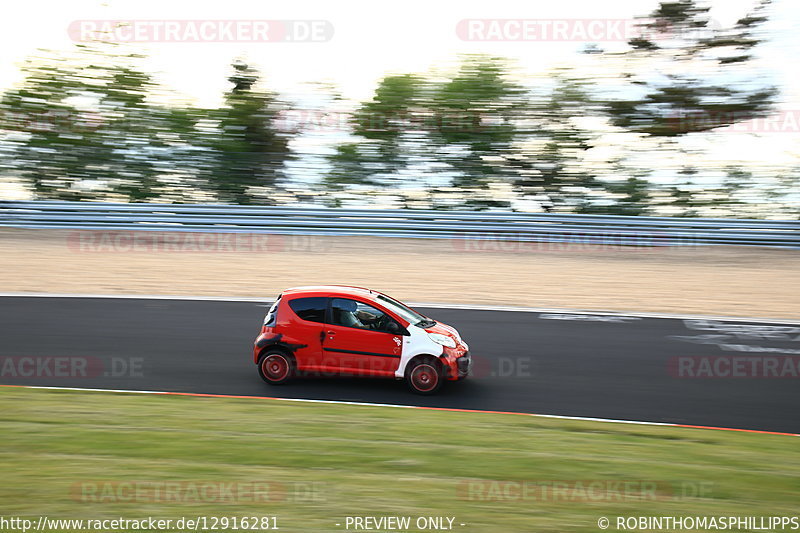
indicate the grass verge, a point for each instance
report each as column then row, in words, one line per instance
column 314, row 464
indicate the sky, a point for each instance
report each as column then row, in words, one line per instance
column 372, row 39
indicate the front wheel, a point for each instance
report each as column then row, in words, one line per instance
column 276, row 367
column 424, row 376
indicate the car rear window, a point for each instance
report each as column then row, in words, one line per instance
column 311, row 309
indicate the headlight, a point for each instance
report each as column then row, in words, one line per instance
column 444, row 340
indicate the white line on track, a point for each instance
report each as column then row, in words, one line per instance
column 368, row 404
column 430, row 305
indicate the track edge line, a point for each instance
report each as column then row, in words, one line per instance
column 368, row 404
column 431, row 305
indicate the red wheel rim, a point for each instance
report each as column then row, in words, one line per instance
column 275, row 367
column 424, row 377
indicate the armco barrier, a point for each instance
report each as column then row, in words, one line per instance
column 526, row 227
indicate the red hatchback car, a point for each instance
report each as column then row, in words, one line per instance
column 340, row 330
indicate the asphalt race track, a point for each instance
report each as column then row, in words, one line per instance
column 576, row 365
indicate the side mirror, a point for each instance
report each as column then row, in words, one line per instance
column 394, row 328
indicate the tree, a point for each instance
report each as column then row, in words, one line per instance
column 416, row 127
column 81, row 126
column 88, row 125
column 551, row 164
column 250, row 151
column 476, row 115
column 65, row 121
column 683, row 77
column 391, row 138
column 677, row 43
column 628, row 193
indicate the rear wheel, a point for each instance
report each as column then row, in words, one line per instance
column 276, row 367
column 424, row 376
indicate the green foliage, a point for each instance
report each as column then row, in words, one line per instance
column 737, row 192
column 553, row 165
column 675, row 100
column 454, row 127
column 82, row 126
column 93, row 125
column 475, row 114
column 248, row 149
column 389, row 135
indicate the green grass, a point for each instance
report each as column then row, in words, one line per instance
column 371, row 461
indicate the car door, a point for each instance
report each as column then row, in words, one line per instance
column 357, row 339
column 304, row 333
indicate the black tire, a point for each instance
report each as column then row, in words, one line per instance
column 276, row 366
column 424, row 376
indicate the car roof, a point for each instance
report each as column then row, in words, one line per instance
column 341, row 290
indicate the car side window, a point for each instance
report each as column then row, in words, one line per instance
column 355, row 314
column 311, row 309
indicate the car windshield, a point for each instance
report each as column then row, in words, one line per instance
column 405, row 312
